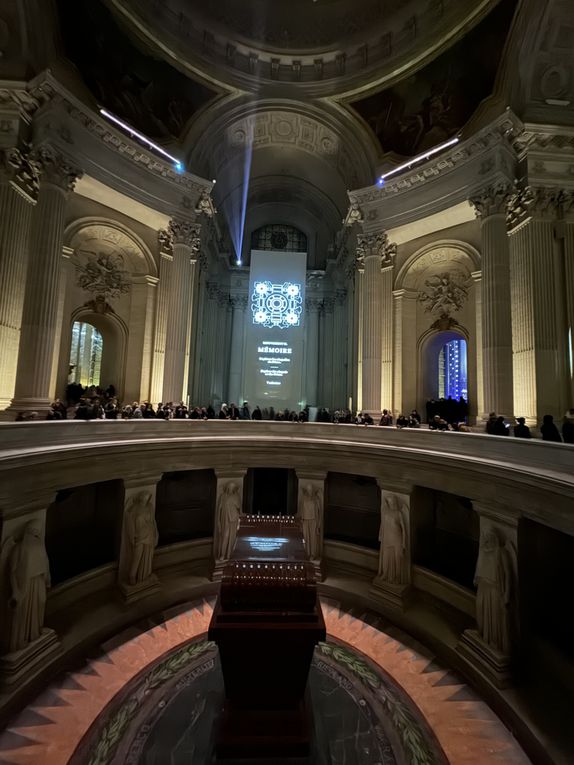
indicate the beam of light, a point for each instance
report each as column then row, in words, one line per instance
column 419, row 158
column 136, row 134
column 237, row 203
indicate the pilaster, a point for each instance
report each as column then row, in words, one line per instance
column 186, row 243
column 161, row 314
column 539, row 279
column 375, row 258
column 312, row 306
column 238, row 308
column 18, row 190
column 40, row 330
column 490, row 206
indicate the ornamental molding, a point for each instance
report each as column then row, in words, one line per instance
column 239, row 301
column 500, row 136
column 205, row 205
column 445, row 293
column 55, row 168
column 543, row 203
column 185, row 233
column 492, row 200
column 355, row 214
column 165, row 242
column 22, row 170
column 45, row 90
column 104, row 276
column 375, row 246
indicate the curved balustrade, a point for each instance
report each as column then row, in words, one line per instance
column 434, row 499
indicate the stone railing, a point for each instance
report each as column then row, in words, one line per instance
column 506, row 484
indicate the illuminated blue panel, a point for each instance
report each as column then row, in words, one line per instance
column 277, row 306
column 455, row 369
column 266, row 544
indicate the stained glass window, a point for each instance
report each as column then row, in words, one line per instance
column 279, row 237
column 452, row 370
column 86, row 354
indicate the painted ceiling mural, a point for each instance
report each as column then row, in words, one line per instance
column 435, row 103
column 145, row 91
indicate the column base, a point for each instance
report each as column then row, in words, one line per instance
column 494, row 665
column 18, row 665
column 217, row 573
column 133, row 592
column 28, row 405
column 393, row 597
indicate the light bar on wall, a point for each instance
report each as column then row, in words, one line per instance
column 419, row 158
column 135, row 134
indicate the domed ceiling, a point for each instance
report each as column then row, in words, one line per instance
column 321, row 48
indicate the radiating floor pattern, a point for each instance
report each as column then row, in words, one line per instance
column 382, row 701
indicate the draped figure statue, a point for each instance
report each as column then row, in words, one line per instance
column 393, row 539
column 495, row 581
column 27, row 573
column 228, row 514
column 141, row 537
column 310, row 514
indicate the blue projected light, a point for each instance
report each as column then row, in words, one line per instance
column 266, row 544
column 455, row 369
column 277, row 306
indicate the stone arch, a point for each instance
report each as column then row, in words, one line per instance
column 428, row 348
column 110, row 234
column 115, row 341
column 439, row 252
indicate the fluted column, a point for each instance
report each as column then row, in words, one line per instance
column 312, row 373
column 185, row 247
column 539, row 305
column 18, row 183
column 373, row 253
column 490, row 206
column 405, row 340
column 161, row 315
column 477, row 279
column 326, row 352
column 569, row 283
column 238, row 306
column 33, row 390
column 387, row 276
column 340, row 350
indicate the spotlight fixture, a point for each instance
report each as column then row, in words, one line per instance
column 415, row 160
column 179, row 166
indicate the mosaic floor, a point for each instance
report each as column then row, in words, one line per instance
column 153, row 695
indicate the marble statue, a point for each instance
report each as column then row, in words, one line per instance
column 495, row 581
column 310, row 514
column 28, row 574
column 228, row 514
column 393, row 539
column 141, row 537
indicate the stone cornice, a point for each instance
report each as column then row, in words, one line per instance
column 502, row 132
column 538, row 202
column 58, row 116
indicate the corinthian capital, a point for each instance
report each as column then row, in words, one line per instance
column 535, row 202
column 491, row 200
column 55, row 168
column 375, row 246
column 185, row 232
column 20, row 168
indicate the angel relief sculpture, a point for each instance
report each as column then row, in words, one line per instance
column 444, row 293
column 103, row 275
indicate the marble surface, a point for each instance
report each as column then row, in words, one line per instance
column 360, row 717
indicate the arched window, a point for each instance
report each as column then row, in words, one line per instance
column 279, row 237
column 452, row 370
column 85, row 354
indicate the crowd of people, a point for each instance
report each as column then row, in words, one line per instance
column 445, row 414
